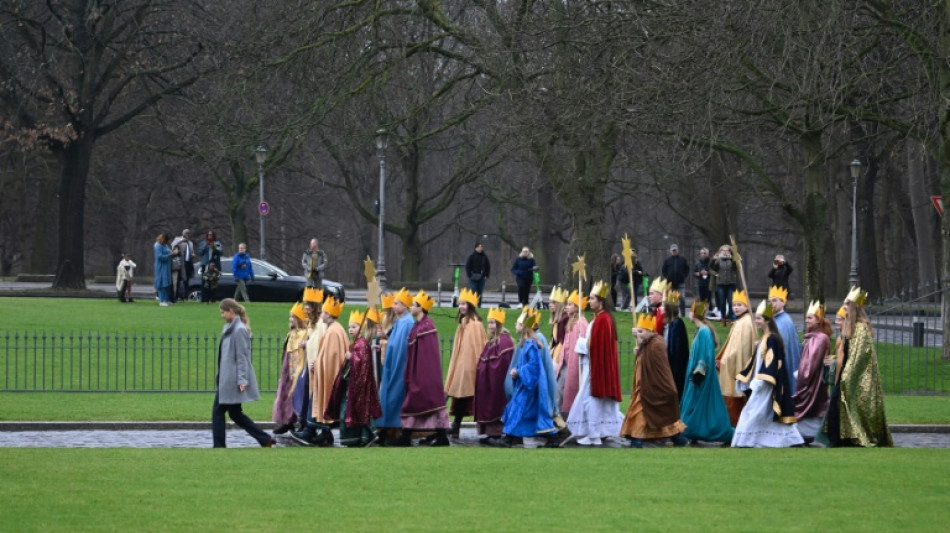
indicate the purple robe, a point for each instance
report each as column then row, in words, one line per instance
column 811, row 395
column 490, row 375
column 357, row 380
column 424, row 403
column 283, row 403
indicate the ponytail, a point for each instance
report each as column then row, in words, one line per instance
column 230, row 304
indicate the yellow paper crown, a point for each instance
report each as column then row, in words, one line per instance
column 404, row 297
column 843, row 312
column 815, row 308
column 298, row 311
column 778, row 292
column 388, row 300
column 529, row 317
column 741, row 296
column 699, row 308
column 600, row 289
column 765, row 309
column 373, row 315
column 857, row 296
column 356, row 317
column 558, row 295
column 332, row 307
column 672, row 297
column 496, row 314
column 468, row 296
column 424, row 300
column 313, row 295
column 646, row 321
column 575, row 299
column 659, row 285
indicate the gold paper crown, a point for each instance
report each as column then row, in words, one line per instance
column 600, row 289
column 332, row 307
column 388, row 300
column 765, row 309
column 857, row 296
column 843, row 312
column 424, row 300
column 496, row 314
column 373, row 315
column 659, row 285
column 646, row 321
column 356, row 317
column 699, row 308
column 575, row 299
column 404, row 297
column 529, row 317
column 741, row 296
column 313, row 295
column 815, row 308
column 468, row 296
column 558, row 295
column 298, row 311
column 672, row 297
column 778, row 292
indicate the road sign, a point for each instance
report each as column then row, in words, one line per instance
column 938, row 203
column 263, row 208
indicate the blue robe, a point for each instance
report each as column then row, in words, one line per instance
column 703, row 409
column 549, row 374
column 392, row 386
column 163, row 266
column 793, row 347
column 527, row 413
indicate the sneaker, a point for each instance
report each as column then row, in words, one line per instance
column 163, row 304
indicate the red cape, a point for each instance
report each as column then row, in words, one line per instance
column 602, row 345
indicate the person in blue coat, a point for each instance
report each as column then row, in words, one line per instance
column 392, row 386
column 243, row 272
column 703, row 409
column 528, row 412
column 786, row 326
column 163, row 269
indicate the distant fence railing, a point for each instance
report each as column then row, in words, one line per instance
column 908, row 326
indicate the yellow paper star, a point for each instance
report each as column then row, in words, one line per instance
column 369, row 270
column 735, row 250
column 372, row 293
column 627, row 252
column 580, row 268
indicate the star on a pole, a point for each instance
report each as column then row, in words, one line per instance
column 627, row 252
column 580, row 268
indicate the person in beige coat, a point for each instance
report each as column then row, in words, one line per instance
column 330, row 358
column 469, row 342
column 735, row 355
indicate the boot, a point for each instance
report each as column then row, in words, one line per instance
column 405, row 439
column 500, row 442
column 456, row 427
column 553, row 441
column 441, row 439
column 283, row 428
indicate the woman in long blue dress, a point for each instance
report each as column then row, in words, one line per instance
column 163, row 269
column 703, row 409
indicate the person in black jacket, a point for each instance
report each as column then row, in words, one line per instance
column 780, row 272
column 676, row 271
column 523, row 269
column 701, row 273
column 477, row 270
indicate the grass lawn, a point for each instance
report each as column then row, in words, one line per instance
column 474, row 490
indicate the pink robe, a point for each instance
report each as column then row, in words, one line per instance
column 570, row 363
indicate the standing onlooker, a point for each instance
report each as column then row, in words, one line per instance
column 676, row 271
column 163, row 269
column 243, row 272
column 123, row 278
column 523, row 269
column 620, row 280
column 616, row 265
column 477, row 270
column 236, row 382
column 638, row 275
column 726, row 273
column 314, row 263
column 209, row 282
column 780, row 272
column 210, row 250
column 701, row 273
column 183, row 267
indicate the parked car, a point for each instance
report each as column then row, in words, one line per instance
column 271, row 284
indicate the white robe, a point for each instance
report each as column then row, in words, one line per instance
column 592, row 419
column 756, row 428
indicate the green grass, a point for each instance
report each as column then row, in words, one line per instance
column 474, row 490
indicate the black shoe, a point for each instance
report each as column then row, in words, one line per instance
column 283, row 428
column 553, row 441
column 307, row 435
column 500, row 442
column 440, row 439
column 635, row 443
column 679, row 440
column 324, row 439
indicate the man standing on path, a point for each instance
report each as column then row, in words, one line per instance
column 477, row 269
column 676, row 270
column 314, row 263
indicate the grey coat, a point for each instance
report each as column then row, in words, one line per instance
column 234, row 365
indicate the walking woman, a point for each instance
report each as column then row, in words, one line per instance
column 702, row 408
column 469, row 342
column 236, row 381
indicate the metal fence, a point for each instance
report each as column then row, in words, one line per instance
column 908, row 327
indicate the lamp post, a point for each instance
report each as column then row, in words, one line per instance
column 260, row 154
column 381, row 143
column 855, row 170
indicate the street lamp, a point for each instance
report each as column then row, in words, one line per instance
column 260, row 154
column 381, row 143
column 855, row 170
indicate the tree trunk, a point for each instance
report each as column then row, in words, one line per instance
column 547, row 244
column 412, row 259
column 70, row 269
column 867, row 235
column 922, row 212
column 813, row 227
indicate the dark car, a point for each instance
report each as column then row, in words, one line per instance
column 271, row 284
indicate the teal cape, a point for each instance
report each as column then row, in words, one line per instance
column 703, row 409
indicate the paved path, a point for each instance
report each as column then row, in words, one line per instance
column 904, row 437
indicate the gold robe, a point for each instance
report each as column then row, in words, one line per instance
column 861, row 413
column 470, row 339
column 736, row 353
column 330, row 359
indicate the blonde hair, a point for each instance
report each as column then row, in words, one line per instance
column 230, row 304
column 369, row 330
column 855, row 314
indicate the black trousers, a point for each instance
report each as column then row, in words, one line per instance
column 524, row 290
column 237, row 415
